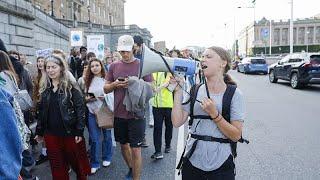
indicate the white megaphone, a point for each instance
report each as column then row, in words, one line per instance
column 153, row 62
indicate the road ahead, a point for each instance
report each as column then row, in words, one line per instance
column 281, row 123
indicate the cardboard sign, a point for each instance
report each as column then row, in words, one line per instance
column 76, row 38
column 95, row 44
column 44, row 52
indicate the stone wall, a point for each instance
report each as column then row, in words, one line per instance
column 27, row 29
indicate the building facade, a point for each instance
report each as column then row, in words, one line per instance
column 107, row 12
column 255, row 38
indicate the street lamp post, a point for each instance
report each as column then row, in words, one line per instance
column 308, row 41
column 291, row 28
column 254, row 21
column 89, row 21
column 52, row 8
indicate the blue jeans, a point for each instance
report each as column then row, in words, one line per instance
column 95, row 133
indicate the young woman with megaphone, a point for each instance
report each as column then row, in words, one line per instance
column 207, row 153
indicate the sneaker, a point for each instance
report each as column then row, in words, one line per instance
column 129, row 175
column 42, row 159
column 167, row 149
column 94, row 170
column 144, row 143
column 26, row 175
column 106, row 163
column 157, row 155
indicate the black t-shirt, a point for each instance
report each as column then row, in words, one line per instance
column 55, row 121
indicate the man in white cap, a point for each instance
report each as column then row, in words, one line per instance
column 128, row 130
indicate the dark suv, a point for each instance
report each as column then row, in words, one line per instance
column 300, row 69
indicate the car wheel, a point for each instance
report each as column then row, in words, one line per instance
column 272, row 77
column 238, row 69
column 294, row 81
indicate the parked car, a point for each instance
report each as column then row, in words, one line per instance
column 300, row 69
column 253, row 65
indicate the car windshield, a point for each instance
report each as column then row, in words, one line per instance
column 258, row 61
column 315, row 59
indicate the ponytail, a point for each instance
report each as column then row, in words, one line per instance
column 228, row 80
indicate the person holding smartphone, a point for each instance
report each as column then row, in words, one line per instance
column 128, row 129
column 94, row 82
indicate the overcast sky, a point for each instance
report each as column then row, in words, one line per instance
column 207, row 22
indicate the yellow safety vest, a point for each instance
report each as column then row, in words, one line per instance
column 164, row 98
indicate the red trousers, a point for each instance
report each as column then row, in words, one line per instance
column 63, row 152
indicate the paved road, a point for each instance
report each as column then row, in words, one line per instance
column 282, row 126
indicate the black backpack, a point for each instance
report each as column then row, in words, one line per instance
column 226, row 105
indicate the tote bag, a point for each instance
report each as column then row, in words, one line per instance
column 104, row 117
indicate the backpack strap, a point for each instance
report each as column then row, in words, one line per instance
column 226, row 108
column 193, row 97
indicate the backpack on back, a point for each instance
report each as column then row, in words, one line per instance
column 226, row 107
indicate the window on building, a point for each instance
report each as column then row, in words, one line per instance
column 301, row 34
column 318, row 34
column 276, row 39
column 294, row 35
column 285, row 35
column 310, row 33
column 93, row 8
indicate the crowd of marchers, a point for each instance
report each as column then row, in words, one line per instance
column 66, row 92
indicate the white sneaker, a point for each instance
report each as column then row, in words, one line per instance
column 94, row 170
column 106, row 163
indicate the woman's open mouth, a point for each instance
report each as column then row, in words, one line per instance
column 203, row 66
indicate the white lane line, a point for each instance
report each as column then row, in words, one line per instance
column 180, row 147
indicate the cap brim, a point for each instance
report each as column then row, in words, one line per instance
column 124, row 48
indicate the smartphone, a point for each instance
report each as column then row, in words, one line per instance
column 91, row 95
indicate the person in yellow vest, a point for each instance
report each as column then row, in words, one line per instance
column 162, row 103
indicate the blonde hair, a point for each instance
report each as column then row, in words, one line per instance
column 65, row 85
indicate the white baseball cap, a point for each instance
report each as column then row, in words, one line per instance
column 125, row 43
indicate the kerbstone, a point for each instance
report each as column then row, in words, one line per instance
column 13, row 20
column 23, row 41
column 26, row 50
column 11, row 47
column 2, row 27
column 24, row 32
column 4, row 18
column 9, row 29
column 12, row 2
column 5, row 38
